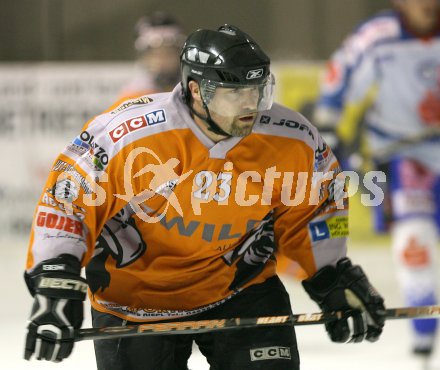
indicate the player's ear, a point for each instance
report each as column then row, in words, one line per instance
column 194, row 88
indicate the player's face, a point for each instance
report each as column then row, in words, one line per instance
column 422, row 15
column 235, row 109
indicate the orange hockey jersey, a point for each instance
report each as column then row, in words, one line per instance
column 169, row 223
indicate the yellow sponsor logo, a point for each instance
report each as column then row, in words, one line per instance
column 338, row 226
column 335, row 227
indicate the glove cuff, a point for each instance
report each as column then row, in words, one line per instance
column 61, row 287
column 58, row 278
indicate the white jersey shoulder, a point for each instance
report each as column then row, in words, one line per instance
column 143, row 116
column 132, row 120
column 384, row 27
column 282, row 121
column 149, row 113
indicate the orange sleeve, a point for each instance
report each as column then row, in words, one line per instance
column 314, row 232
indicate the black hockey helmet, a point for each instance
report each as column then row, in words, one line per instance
column 227, row 56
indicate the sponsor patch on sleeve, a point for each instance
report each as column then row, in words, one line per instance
column 335, row 227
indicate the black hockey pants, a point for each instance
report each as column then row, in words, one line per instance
column 268, row 348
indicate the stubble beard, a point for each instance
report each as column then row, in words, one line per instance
column 240, row 130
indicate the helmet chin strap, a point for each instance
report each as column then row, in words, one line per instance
column 212, row 126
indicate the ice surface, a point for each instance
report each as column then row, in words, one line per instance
column 391, row 352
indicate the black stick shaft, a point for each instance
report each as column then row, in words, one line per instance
column 203, row 326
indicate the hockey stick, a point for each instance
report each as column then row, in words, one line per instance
column 384, row 155
column 196, row 327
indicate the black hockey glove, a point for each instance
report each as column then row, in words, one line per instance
column 345, row 287
column 59, row 292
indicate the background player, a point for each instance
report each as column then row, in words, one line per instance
column 159, row 39
column 397, row 52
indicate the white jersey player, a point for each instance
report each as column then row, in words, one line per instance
column 398, row 52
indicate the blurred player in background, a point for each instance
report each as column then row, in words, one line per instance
column 396, row 55
column 211, row 254
column 159, row 39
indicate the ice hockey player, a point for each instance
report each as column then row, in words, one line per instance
column 398, row 52
column 175, row 205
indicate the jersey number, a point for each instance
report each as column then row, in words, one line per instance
column 204, row 179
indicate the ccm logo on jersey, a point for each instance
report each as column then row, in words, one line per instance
column 136, row 123
column 270, row 353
